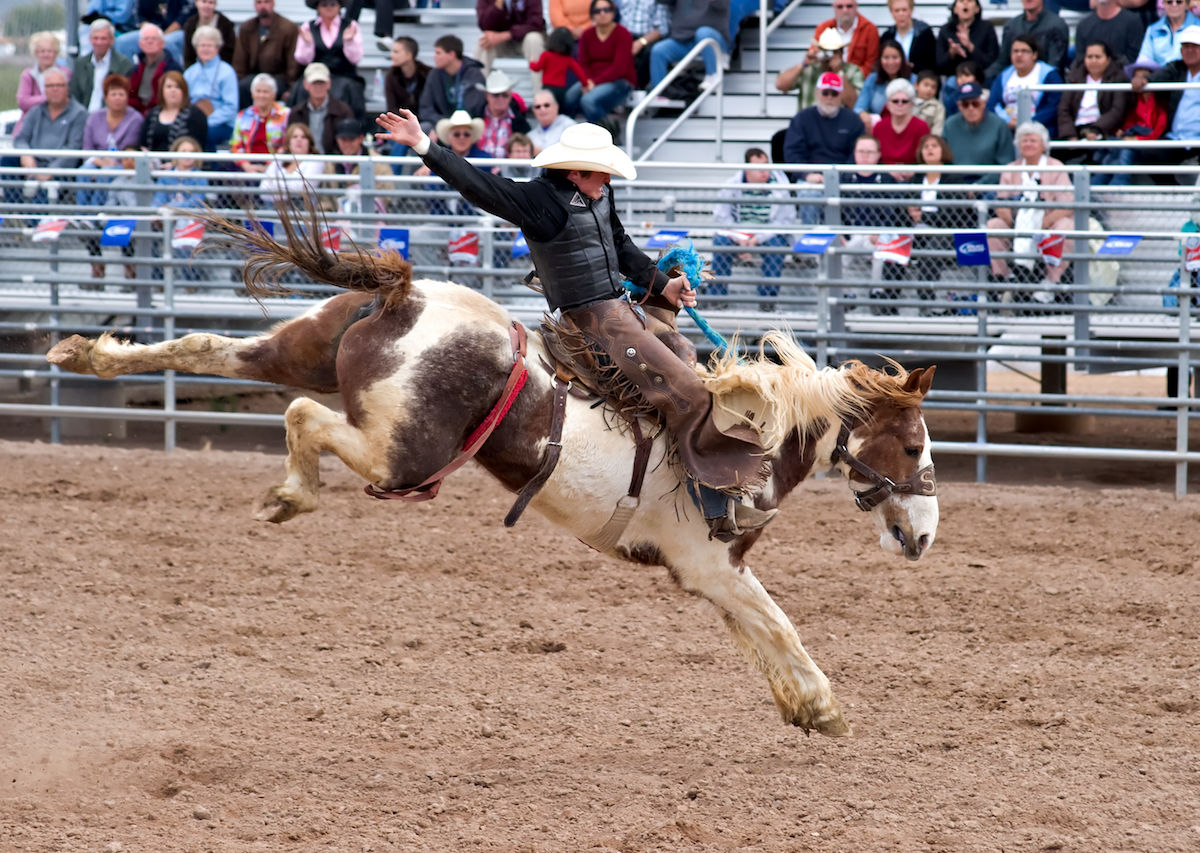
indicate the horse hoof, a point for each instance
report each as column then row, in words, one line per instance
column 73, row 354
column 276, row 509
column 830, row 722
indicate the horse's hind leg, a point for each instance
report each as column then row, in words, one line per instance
column 107, row 356
column 765, row 634
column 311, row 429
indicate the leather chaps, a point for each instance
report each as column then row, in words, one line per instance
column 731, row 462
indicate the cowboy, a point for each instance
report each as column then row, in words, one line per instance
column 580, row 251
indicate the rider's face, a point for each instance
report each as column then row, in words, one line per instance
column 591, row 184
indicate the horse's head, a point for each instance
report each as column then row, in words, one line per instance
column 886, row 457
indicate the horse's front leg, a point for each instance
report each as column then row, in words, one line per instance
column 311, row 429
column 765, row 634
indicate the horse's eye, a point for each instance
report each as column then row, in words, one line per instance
column 912, row 452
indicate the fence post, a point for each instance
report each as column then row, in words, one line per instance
column 1024, row 106
column 143, row 239
column 1083, row 274
column 366, row 184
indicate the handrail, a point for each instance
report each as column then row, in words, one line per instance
column 764, row 30
column 690, row 108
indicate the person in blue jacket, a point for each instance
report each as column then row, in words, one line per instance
column 1026, row 70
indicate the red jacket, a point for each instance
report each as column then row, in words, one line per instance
column 1146, row 112
column 864, row 44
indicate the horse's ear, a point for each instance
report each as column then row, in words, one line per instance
column 920, row 380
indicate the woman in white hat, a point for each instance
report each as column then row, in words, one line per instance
column 580, row 251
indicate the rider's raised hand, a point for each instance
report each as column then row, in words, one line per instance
column 401, row 126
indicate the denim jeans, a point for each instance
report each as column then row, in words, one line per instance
column 1122, row 157
column 668, row 52
column 772, row 265
column 598, row 103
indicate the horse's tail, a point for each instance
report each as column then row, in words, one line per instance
column 388, row 275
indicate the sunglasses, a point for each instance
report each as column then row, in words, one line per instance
column 461, row 133
column 603, row 10
column 830, row 93
column 899, row 100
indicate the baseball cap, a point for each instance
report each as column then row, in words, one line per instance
column 829, row 80
column 969, row 91
column 1190, row 35
column 348, row 128
column 316, row 71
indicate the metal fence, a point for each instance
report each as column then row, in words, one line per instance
column 1131, row 311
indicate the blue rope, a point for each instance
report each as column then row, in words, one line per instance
column 691, row 264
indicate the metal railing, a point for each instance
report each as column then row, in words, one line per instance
column 648, row 101
column 939, row 312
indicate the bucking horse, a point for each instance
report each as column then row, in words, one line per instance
column 431, row 373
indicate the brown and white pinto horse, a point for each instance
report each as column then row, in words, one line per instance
column 419, row 366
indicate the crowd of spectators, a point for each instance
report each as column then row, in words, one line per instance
column 896, row 91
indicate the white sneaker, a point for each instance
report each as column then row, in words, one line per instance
column 384, row 43
column 709, row 81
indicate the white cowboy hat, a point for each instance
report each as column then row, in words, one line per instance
column 587, row 147
column 830, row 39
column 498, row 83
column 460, row 118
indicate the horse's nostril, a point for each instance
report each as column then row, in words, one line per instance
column 923, row 543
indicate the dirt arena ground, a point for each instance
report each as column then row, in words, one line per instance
column 378, row 676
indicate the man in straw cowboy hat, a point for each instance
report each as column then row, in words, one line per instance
column 580, row 251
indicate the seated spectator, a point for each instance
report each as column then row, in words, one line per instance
column 1033, row 224
column 556, row 62
column 173, row 117
column 934, row 151
column 864, row 185
column 115, row 197
column 213, row 85
column 859, row 35
column 169, row 16
column 548, row 124
column 151, row 63
column 1048, row 30
column 182, row 188
column 114, row 128
column 31, row 85
column 824, row 133
column 260, row 128
column 572, row 14
column 1116, row 26
column 266, row 44
column 606, row 54
column 206, row 15
column 1092, row 114
column 915, row 37
column 336, row 42
column 1026, row 70
column 755, row 197
column 319, row 111
column 455, row 83
column 967, row 72
column 899, row 132
column 519, row 147
column 977, row 136
column 1161, row 44
column 965, row 36
column 928, row 105
column 825, row 58
column 501, row 119
column 648, row 21
column 405, row 80
column 87, row 77
column 56, row 123
column 1146, row 119
column 121, row 14
column 692, row 23
column 351, row 142
column 288, row 180
column 511, row 29
column 891, row 65
column 1183, row 107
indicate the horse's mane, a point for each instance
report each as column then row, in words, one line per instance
column 795, row 394
column 387, row 274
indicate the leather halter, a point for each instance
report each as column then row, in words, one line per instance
column 428, row 490
column 922, row 482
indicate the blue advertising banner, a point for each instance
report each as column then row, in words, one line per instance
column 266, row 225
column 665, row 238
column 396, row 239
column 971, row 248
column 813, row 244
column 118, row 232
column 1119, row 244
